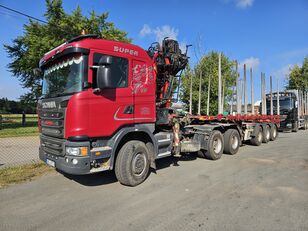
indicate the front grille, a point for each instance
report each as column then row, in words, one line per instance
column 52, row 123
column 53, row 146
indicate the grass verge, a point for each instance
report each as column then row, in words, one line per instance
column 11, row 125
column 22, row 131
column 18, row 174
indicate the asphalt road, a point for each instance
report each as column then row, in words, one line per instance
column 260, row 188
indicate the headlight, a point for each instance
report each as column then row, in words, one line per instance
column 76, row 151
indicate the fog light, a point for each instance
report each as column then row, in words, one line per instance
column 66, row 159
column 75, row 161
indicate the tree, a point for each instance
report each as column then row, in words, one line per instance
column 298, row 77
column 26, row 50
column 208, row 64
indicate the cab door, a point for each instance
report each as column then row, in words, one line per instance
column 144, row 88
column 111, row 108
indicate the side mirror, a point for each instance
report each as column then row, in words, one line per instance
column 105, row 60
column 103, row 77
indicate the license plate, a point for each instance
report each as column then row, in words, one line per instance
column 51, row 163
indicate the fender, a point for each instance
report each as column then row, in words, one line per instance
column 138, row 128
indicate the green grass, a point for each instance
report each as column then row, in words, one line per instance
column 14, row 175
column 12, row 127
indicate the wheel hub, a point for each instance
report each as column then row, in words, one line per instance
column 234, row 142
column 217, row 145
column 139, row 163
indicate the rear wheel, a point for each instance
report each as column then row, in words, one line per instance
column 266, row 134
column 257, row 139
column 274, row 133
column 132, row 163
column 231, row 141
column 215, row 146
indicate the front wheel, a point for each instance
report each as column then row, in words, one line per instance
column 132, row 163
column 295, row 127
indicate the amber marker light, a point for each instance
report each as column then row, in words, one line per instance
column 84, row 151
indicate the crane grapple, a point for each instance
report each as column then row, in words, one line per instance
column 169, row 61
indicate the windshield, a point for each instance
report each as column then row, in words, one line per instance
column 285, row 105
column 63, row 76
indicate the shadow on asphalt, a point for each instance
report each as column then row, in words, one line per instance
column 108, row 177
column 96, row 179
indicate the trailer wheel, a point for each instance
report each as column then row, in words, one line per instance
column 232, row 141
column 215, row 146
column 257, row 139
column 132, row 163
column 274, row 133
column 266, row 134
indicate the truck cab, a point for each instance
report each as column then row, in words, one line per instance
column 94, row 92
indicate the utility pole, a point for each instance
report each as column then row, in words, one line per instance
column 199, row 103
column 219, row 83
column 252, row 94
column 190, row 95
column 245, row 93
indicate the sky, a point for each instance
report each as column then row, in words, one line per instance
column 269, row 36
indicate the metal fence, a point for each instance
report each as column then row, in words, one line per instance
column 19, row 139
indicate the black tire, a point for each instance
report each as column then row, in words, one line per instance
column 305, row 125
column 231, row 141
column 295, row 127
column 132, row 164
column 274, row 133
column 215, row 146
column 257, row 139
column 266, row 134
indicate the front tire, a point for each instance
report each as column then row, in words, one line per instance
column 132, row 163
column 231, row 141
column 295, row 127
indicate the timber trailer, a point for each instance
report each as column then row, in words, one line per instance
column 105, row 105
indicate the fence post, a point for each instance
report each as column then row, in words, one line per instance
column 0, row 122
column 23, row 121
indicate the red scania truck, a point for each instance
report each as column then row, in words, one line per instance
column 105, row 105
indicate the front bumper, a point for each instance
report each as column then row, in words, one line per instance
column 65, row 163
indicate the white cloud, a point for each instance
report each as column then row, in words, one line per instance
column 159, row 32
column 251, row 62
column 146, row 30
column 283, row 72
column 243, row 4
